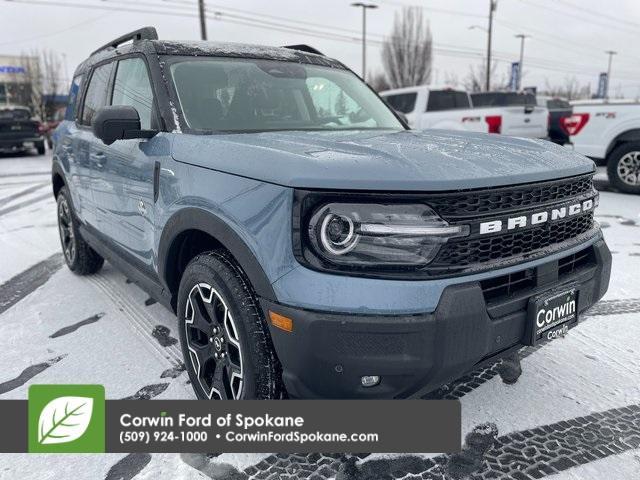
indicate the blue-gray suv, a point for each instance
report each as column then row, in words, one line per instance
column 309, row 243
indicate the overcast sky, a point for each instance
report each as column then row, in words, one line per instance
column 568, row 37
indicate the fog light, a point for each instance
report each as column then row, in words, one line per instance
column 370, row 380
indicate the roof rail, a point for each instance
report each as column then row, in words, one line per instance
column 304, row 48
column 144, row 33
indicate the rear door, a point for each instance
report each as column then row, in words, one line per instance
column 87, row 158
column 125, row 196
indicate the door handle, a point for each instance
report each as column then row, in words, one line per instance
column 99, row 158
column 142, row 208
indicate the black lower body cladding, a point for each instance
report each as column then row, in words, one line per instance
column 327, row 354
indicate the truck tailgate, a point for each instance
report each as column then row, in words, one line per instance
column 18, row 129
column 530, row 123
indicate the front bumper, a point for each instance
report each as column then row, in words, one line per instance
column 327, row 353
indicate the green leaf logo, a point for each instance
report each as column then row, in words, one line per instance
column 64, row 419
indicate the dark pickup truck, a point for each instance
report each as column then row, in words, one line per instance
column 19, row 132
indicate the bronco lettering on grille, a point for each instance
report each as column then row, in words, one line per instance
column 537, row 218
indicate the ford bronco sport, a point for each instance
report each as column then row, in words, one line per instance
column 309, row 243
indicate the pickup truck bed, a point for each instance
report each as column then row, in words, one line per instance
column 18, row 131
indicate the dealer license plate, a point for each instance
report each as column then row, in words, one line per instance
column 552, row 315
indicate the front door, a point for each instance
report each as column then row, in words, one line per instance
column 125, row 195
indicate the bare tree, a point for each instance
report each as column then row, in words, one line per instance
column 407, row 53
column 40, row 82
column 476, row 78
column 570, row 90
column 378, row 81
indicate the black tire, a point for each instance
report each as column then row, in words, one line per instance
column 625, row 158
column 40, row 148
column 249, row 368
column 79, row 256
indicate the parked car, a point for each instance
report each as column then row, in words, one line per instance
column 559, row 108
column 309, row 244
column 436, row 107
column 19, row 131
column 609, row 133
column 520, row 115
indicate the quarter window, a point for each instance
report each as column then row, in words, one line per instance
column 96, row 96
column 133, row 87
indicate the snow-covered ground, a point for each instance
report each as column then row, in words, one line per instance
column 573, row 414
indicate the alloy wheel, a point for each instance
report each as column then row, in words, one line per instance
column 213, row 343
column 629, row 168
column 65, row 228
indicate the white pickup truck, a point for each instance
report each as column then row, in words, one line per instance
column 609, row 133
column 448, row 108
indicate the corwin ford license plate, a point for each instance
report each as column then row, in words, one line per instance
column 552, row 315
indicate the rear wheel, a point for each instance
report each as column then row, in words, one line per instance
column 78, row 255
column 40, row 147
column 226, row 346
column 623, row 167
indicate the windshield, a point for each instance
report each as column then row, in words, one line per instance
column 243, row 95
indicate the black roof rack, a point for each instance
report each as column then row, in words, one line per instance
column 304, row 48
column 144, row 33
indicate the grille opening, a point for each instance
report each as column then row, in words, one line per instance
column 583, row 258
column 506, row 285
column 494, row 201
column 481, row 250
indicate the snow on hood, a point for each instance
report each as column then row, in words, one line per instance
column 436, row 160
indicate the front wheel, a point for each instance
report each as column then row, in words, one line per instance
column 225, row 342
column 623, row 167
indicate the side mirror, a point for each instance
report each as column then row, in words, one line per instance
column 118, row 122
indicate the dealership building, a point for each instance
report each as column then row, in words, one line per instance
column 16, row 74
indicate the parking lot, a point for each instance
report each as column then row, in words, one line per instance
column 574, row 413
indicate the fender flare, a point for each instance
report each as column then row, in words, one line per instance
column 56, row 169
column 192, row 218
column 631, row 135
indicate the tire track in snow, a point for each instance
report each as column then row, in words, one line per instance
column 522, row 455
column 26, row 282
column 26, row 203
column 72, row 328
column 27, row 374
column 138, row 319
column 128, row 467
column 22, row 193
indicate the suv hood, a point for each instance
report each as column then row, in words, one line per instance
column 436, row 160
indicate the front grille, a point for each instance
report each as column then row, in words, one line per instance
column 572, row 263
column 498, row 288
column 496, row 201
column 507, row 285
column 464, row 253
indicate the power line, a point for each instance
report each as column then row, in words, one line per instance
column 57, row 32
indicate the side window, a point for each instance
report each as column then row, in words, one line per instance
column 96, row 96
column 133, row 87
column 447, row 100
column 72, row 106
column 402, row 102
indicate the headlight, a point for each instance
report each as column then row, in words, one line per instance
column 378, row 236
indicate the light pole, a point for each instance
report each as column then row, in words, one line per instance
column 521, row 36
column 492, row 7
column 611, row 53
column 203, row 19
column 364, row 7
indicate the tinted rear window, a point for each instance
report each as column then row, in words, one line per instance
column 447, row 100
column 402, row 102
column 502, row 99
column 557, row 104
column 15, row 114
